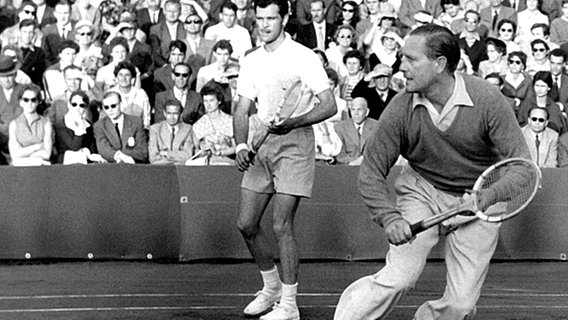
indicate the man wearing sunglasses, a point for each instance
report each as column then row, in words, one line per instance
column 120, row 138
column 199, row 49
column 189, row 99
column 542, row 141
column 163, row 75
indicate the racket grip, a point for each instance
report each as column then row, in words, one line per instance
column 251, row 155
column 417, row 228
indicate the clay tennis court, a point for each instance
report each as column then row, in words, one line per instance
column 220, row 289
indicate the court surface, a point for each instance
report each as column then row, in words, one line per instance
column 220, row 289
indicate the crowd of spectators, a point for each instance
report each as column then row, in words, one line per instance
column 154, row 81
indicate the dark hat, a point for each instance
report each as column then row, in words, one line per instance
column 7, row 66
column 499, row 44
column 68, row 44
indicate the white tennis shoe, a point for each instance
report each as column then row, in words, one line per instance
column 281, row 312
column 262, row 303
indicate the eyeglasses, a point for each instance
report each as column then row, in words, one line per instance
column 506, row 30
column 194, row 22
column 388, row 38
column 81, row 105
column 519, row 62
column 539, row 50
column 347, row 10
column 86, row 34
column 345, row 36
column 535, row 119
column 178, row 74
column 33, row 13
column 34, row 100
column 110, row 106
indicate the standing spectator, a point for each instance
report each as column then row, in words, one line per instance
column 229, row 30
column 58, row 32
column 559, row 26
column 171, row 140
column 491, row 15
column 542, row 141
column 409, row 8
column 199, row 49
column 518, row 83
column 189, row 99
column 31, row 135
column 11, row 35
column 150, row 16
column 355, row 132
column 304, row 13
column 318, row 33
column 559, row 90
column 538, row 61
column 134, row 101
column 222, row 51
column 163, row 76
column 354, row 62
column 9, row 102
column 33, row 58
column 344, row 42
column 470, row 40
column 496, row 58
column 349, row 14
column 120, row 138
column 163, row 33
column 374, row 87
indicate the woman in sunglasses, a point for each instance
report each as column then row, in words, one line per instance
column 349, row 15
column 540, row 97
column 539, row 58
column 517, row 83
column 344, row 42
column 506, row 30
column 30, row 135
column 74, row 138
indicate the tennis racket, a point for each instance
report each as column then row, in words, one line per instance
column 501, row 192
column 295, row 95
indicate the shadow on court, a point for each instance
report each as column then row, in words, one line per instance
column 220, row 290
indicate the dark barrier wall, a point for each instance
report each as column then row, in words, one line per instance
column 130, row 211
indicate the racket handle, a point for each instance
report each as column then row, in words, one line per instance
column 417, row 228
column 251, row 155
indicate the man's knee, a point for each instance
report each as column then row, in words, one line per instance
column 247, row 228
column 282, row 229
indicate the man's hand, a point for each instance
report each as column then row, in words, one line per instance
column 282, row 127
column 243, row 160
column 398, row 232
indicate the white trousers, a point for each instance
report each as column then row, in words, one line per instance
column 468, row 251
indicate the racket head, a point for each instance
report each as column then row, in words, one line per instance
column 298, row 94
column 505, row 189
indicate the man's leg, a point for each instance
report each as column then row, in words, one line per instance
column 252, row 207
column 285, row 207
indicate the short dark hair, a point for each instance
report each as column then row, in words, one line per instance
column 440, row 42
column 539, row 108
column 229, row 5
column 223, row 44
column 495, row 75
column 283, row 6
column 119, row 41
column 27, row 23
column 544, row 76
column 125, row 65
column 544, row 26
column 184, row 64
column 173, row 102
column 178, row 44
column 521, row 55
column 499, row 45
column 474, row 12
column 445, row 2
column 209, row 90
column 81, row 94
column 558, row 53
column 110, row 93
column 322, row 55
column 332, row 75
column 537, row 41
column 511, row 22
column 30, row 87
column 355, row 54
column 66, row 44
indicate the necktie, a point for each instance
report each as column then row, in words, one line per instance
column 320, row 39
column 63, row 33
column 556, row 81
column 172, row 139
column 537, row 144
column 514, row 5
column 155, row 18
column 495, row 17
column 117, row 130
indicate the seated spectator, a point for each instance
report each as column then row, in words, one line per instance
column 149, row 16
column 354, row 62
column 497, row 80
column 246, row 18
column 542, row 82
column 191, row 6
column 506, row 30
column 492, row 14
column 163, row 33
column 189, row 99
column 342, row 111
column 85, row 35
column 127, row 15
column 354, row 132
column 9, row 103
column 518, row 83
column 74, row 137
column 199, row 49
column 222, row 51
column 410, row 7
column 171, row 140
column 539, row 31
column 213, row 132
column 538, row 61
column 16, row 54
column 53, row 80
column 326, row 140
column 559, row 26
column 134, row 101
column 388, row 52
column 119, row 51
column 83, row 10
column 563, row 151
column 229, row 30
column 163, row 75
column 542, row 141
column 374, row 87
column 372, row 39
column 121, row 138
column 496, row 58
column 31, row 135
column 451, row 12
column 344, row 42
column 349, row 15
column 34, row 60
column 304, row 15
column 316, row 34
column 559, row 90
column 529, row 17
column 56, row 33
column 11, row 35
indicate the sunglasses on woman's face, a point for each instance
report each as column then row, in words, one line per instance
column 81, row 105
column 34, row 100
column 347, row 10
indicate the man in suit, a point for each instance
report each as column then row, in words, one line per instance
column 409, row 8
column 374, row 87
column 33, row 58
column 120, row 138
column 304, row 15
column 56, row 33
column 496, row 12
column 171, row 141
column 542, row 141
column 190, row 100
column 150, row 16
column 44, row 14
column 9, row 105
column 165, row 32
column 199, row 49
column 354, row 132
column 163, row 76
column 318, row 33
column 559, row 90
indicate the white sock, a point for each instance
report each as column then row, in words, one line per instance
column 271, row 280
column 289, row 292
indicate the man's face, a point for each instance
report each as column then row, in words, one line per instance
column 271, row 24
column 496, row 3
column 172, row 12
column 372, row 6
column 353, row 65
column 241, row 4
column 153, row 4
column 7, row 82
column 118, row 53
column 67, row 56
column 124, row 78
column 27, row 34
column 172, row 115
column 211, row 103
column 359, row 110
column 73, row 82
column 471, row 22
column 381, row 82
column 532, row 4
column 181, row 75
column 111, row 105
column 515, row 64
column 193, row 24
column 451, row 9
column 556, row 65
column 62, row 14
column 538, row 33
column 228, row 17
column 317, row 11
column 222, row 56
column 565, row 9
column 176, row 56
column 419, row 70
column 129, row 33
column 538, row 120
